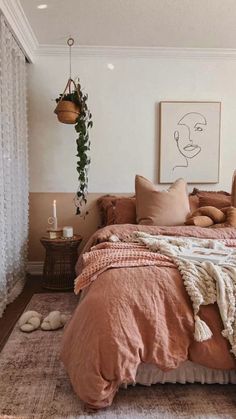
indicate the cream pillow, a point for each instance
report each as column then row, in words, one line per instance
column 161, row 208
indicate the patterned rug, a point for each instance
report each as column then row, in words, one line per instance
column 34, row 385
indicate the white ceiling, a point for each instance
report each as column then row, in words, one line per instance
column 135, row 23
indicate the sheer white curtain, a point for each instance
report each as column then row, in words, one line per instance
column 13, row 167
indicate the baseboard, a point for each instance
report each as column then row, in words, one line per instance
column 35, row 268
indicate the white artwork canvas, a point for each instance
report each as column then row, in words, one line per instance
column 189, row 141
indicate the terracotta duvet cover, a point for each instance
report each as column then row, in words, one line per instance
column 138, row 314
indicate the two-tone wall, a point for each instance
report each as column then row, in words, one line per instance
column 124, row 102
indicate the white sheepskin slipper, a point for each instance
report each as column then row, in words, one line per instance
column 30, row 321
column 55, row 320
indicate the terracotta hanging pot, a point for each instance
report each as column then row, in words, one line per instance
column 66, row 110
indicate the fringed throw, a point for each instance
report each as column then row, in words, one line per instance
column 205, row 282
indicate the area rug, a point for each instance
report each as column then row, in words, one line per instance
column 34, row 384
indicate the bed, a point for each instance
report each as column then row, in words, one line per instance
column 134, row 322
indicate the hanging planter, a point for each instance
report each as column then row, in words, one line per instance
column 68, row 104
column 72, row 109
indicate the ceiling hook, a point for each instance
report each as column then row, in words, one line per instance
column 70, row 42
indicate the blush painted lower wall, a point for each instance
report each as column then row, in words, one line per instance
column 40, row 208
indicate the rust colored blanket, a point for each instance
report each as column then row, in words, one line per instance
column 138, row 314
column 107, row 255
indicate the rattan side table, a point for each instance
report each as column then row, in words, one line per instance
column 59, row 264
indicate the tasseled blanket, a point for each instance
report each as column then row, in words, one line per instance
column 205, row 282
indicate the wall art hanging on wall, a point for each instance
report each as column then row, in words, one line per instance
column 189, row 141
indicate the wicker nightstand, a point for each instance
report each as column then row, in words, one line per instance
column 59, row 265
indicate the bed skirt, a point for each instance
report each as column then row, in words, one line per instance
column 187, row 372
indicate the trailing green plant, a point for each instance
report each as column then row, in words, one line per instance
column 82, row 126
column 70, row 97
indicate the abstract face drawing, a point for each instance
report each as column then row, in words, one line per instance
column 190, row 126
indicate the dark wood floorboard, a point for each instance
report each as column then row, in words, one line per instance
column 14, row 310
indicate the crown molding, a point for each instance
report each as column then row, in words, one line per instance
column 23, row 31
column 136, row 52
column 20, row 26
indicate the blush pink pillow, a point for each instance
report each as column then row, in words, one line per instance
column 161, row 208
column 193, row 202
column 117, row 209
column 217, row 201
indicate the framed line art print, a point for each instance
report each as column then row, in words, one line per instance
column 189, row 141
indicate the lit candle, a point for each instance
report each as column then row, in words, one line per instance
column 54, row 213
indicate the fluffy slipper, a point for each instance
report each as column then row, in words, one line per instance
column 29, row 321
column 55, row 320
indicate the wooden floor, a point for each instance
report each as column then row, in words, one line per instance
column 14, row 310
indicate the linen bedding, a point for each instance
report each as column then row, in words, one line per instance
column 135, row 314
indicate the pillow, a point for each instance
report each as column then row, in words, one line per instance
column 218, row 199
column 117, row 210
column 233, row 190
column 215, row 200
column 162, row 208
column 215, row 214
column 230, row 221
column 201, row 193
column 213, row 217
column 231, row 216
column 200, row 221
column 105, row 206
column 125, row 211
column 193, row 202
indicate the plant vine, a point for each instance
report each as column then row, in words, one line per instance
column 83, row 124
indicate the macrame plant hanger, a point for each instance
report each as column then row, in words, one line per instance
column 70, row 43
column 67, row 111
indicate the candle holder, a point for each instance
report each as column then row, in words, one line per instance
column 54, row 232
column 53, row 222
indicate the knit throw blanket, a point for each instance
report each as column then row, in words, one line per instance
column 116, row 254
column 205, row 282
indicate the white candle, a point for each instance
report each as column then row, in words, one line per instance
column 54, row 207
column 67, row 231
column 54, row 212
column 55, row 224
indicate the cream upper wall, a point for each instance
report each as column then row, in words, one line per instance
column 124, row 103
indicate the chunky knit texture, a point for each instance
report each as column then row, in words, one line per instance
column 116, row 255
column 205, row 282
